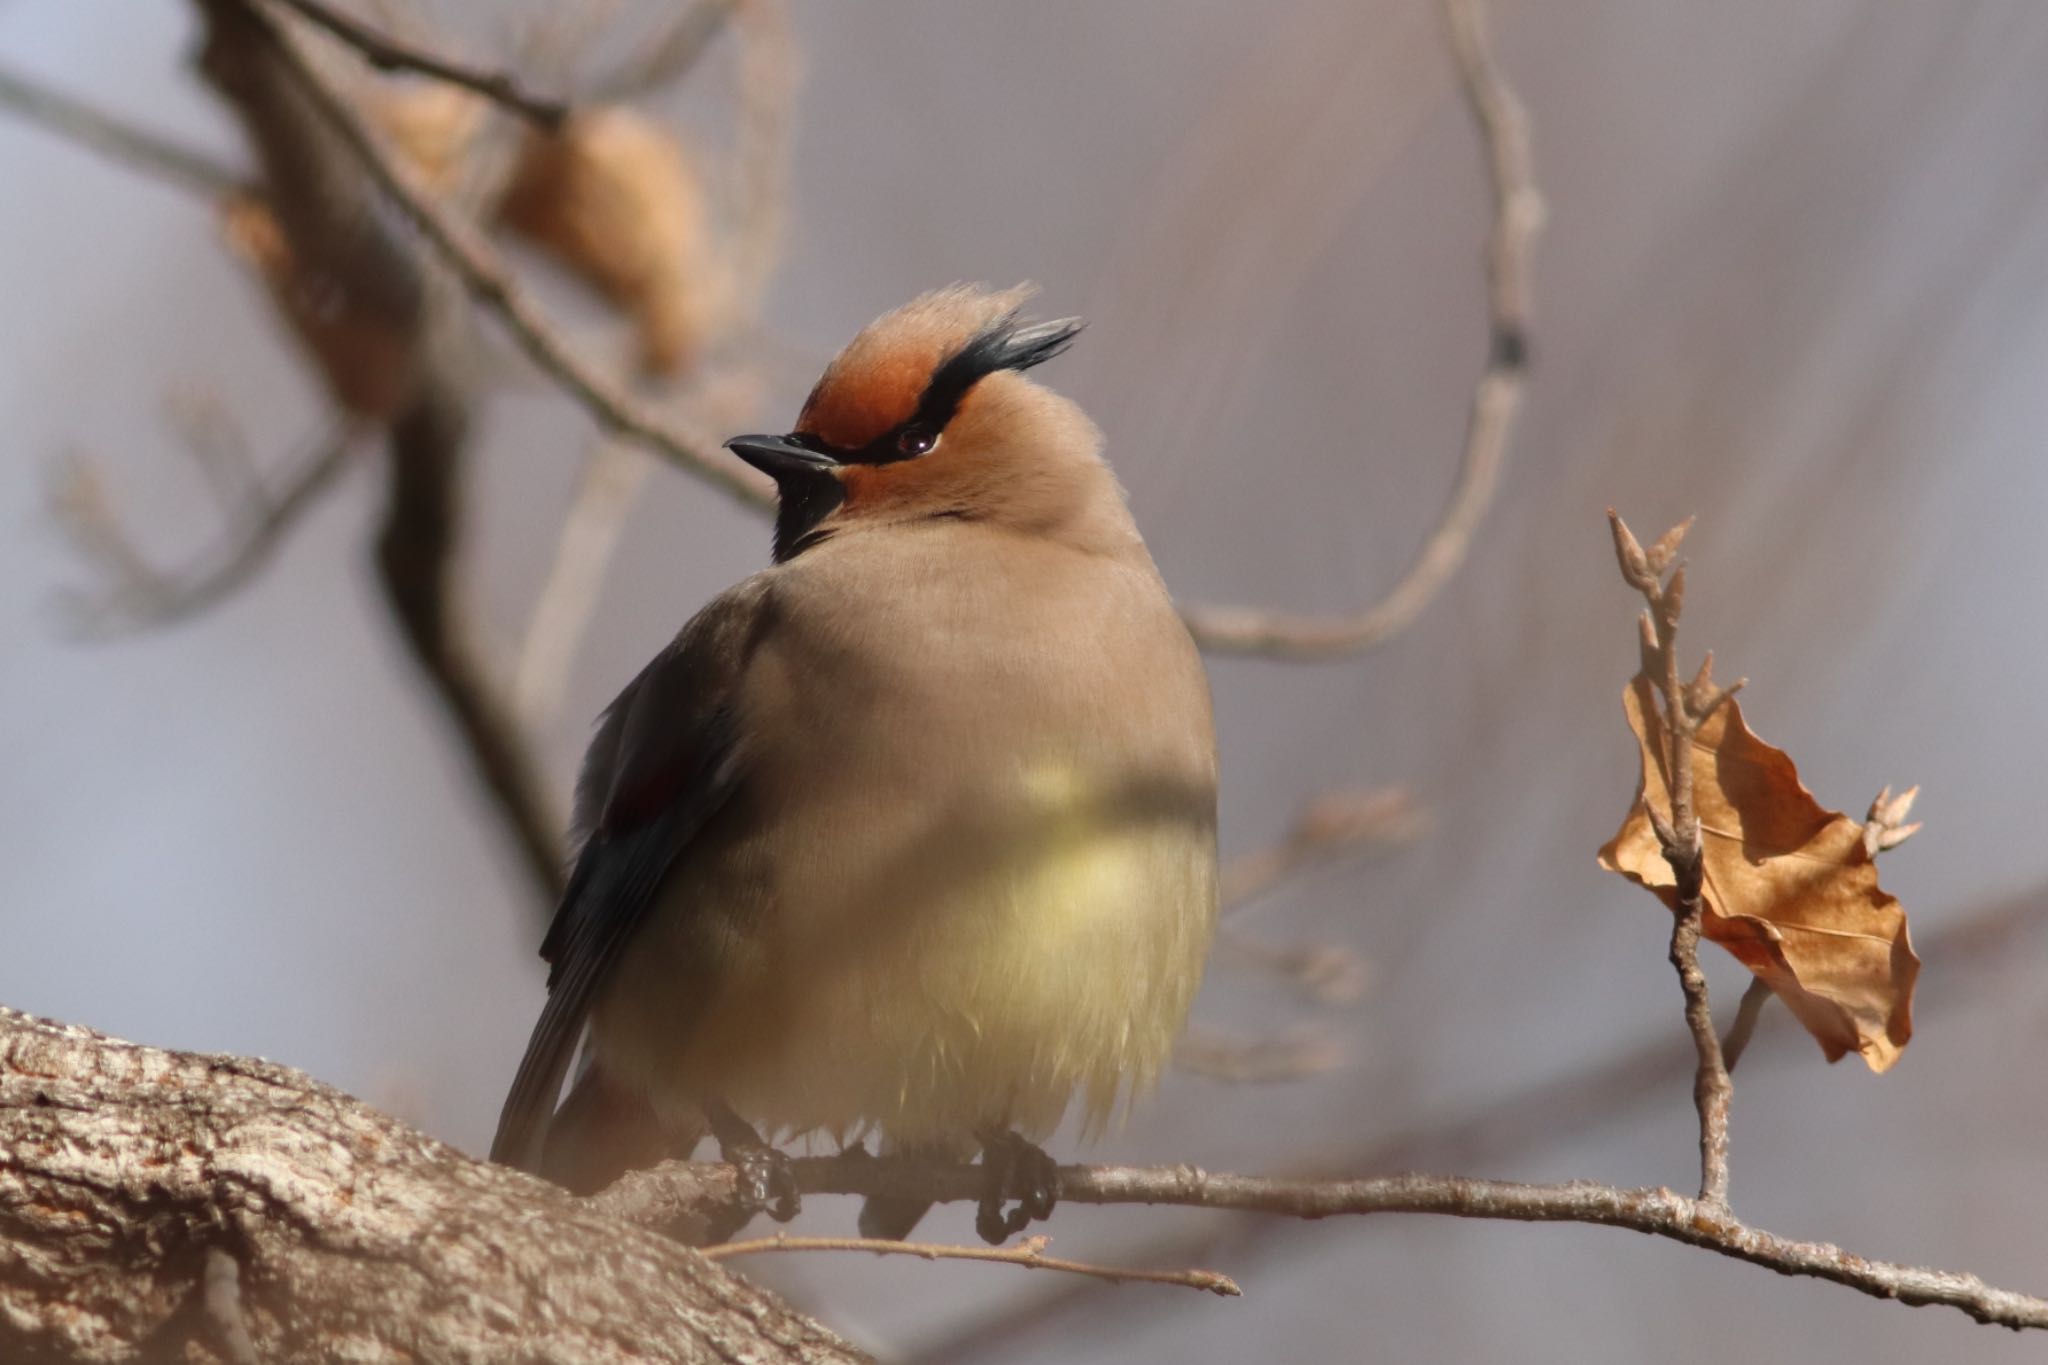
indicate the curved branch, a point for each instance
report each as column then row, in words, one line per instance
column 1496, row 399
column 388, row 54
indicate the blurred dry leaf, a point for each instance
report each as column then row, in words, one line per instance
column 431, row 124
column 1789, row 888
column 614, row 199
column 365, row 360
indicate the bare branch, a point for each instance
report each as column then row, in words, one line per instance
column 611, row 477
column 1496, row 399
column 388, row 54
column 492, row 285
column 669, row 57
column 1030, row 1253
column 415, row 554
column 610, row 480
column 332, row 215
column 680, row 1190
column 1713, row 1093
column 1540, row 1115
column 140, row 595
column 133, row 146
column 1327, row 973
column 1256, row 1061
column 1326, row 827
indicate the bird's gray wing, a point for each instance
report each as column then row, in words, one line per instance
column 666, row 757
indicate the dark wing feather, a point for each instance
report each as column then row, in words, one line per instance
column 665, row 758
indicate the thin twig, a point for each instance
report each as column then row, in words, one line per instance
column 1331, row 974
column 1326, row 827
column 1744, row 1028
column 1496, row 398
column 1514, row 1126
column 493, row 286
column 611, row 476
column 674, row 1190
column 1030, row 1252
column 140, row 594
column 1265, row 1060
column 1683, row 710
column 669, row 57
column 388, row 54
column 130, row 144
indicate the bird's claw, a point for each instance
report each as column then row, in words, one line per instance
column 767, row 1184
column 1014, row 1169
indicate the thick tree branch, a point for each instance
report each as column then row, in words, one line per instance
column 161, row 1205
column 415, row 553
column 1496, row 399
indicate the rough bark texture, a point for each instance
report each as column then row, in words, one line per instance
column 174, row 1206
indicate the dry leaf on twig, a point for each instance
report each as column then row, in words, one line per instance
column 1789, row 887
column 613, row 197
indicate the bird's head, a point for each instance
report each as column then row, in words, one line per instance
column 927, row 414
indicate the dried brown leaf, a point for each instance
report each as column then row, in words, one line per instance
column 431, row 124
column 614, row 199
column 364, row 359
column 1789, row 888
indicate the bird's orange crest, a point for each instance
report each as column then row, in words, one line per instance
column 876, row 382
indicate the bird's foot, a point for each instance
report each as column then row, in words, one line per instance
column 1014, row 1169
column 767, row 1184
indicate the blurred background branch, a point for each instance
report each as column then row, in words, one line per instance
column 130, row 144
column 1517, row 218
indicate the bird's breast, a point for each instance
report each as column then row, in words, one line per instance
column 971, row 871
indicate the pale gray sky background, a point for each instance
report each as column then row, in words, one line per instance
column 1793, row 281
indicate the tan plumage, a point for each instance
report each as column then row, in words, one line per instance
column 957, row 863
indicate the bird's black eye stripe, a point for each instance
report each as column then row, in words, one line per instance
column 1002, row 345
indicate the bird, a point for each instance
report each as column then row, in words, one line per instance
column 912, row 833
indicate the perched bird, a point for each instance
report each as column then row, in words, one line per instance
column 914, row 832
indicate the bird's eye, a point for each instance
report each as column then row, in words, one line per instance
column 916, row 441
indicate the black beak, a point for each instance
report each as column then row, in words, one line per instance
column 781, row 458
